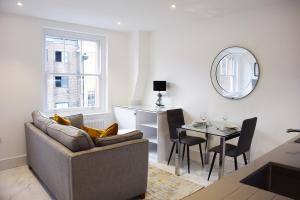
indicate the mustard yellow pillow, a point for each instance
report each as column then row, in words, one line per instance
column 100, row 133
column 61, row 120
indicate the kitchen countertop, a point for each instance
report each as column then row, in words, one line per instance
column 230, row 188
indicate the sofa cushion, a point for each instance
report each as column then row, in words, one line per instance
column 95, row 133
column 134, row 135
column 61, row 120
column 76, row 120
column 41, row 121
column 73, row 138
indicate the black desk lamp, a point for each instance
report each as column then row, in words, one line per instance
column 159, row 86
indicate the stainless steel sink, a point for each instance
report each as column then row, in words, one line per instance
column 276, row 178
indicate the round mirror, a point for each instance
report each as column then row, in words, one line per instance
column 234, row 72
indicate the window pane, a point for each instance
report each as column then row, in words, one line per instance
column 90, row 57
column 62, row 105
column 91, row 99
column 53, row 47
column 91, row 86
column 73, row 91
column 63, row 56
column 72, row 56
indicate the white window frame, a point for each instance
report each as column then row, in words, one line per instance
column 102, row 50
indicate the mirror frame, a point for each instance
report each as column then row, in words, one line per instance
column 214, row 79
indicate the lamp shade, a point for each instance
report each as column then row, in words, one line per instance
column 159, row 85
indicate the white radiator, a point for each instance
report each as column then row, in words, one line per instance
column 95, row 123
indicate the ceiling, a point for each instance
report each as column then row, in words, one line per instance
column 132, row 14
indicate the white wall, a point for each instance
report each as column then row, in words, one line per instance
column 141, row 63
column 21, row 73
column 182, row 55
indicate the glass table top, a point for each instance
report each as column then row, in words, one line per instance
column 214, row 128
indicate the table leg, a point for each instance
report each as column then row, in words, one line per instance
column 222, row 157
column 206, row 153
column 178, row 155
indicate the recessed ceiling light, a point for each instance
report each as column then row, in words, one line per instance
column 119, row 23
column 19, row 3
column 173, row 6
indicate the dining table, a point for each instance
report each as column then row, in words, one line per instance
column 213, row 128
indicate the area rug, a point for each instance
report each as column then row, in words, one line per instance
column 163, row 185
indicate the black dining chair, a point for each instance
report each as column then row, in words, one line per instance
column 243, row 146
column 176, row 120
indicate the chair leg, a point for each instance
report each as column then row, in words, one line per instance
column 171, row 152
column 183, row 152
column 245, row 158
column 188, row 157
column 235, row 163
column 142, row 196
column 201, row 155
column 212, row 165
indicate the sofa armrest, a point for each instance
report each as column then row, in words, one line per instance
column 117, row 171
column 50, row 160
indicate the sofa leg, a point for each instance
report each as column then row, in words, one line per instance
column 29, row 167
column 142, row 196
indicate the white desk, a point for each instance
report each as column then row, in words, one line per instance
column 152, row 121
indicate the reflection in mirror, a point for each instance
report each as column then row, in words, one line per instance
column 234, row 72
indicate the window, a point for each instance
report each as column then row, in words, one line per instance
column 58, row 56
column 62, row 81
column 91, row 99
column 75, row 71
column 228, row 71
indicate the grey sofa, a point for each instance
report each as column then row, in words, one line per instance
column 112, row 172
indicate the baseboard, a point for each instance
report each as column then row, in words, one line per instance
column 12, row 162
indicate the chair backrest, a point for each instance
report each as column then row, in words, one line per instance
column 246, row 136
column 175, row 120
